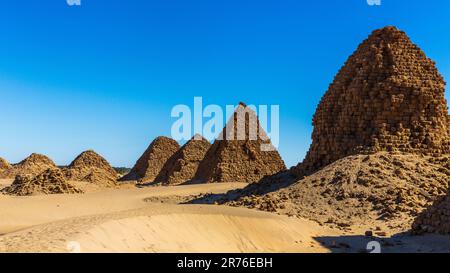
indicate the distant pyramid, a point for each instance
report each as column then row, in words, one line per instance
column 51, row 181
column 387, row 97
column 183, row 165
column 152, row 161
column 245, row 158
column 32, row 165
column 4, row 165
column 91, row 167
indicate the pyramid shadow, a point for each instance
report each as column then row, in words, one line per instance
column 266, row 185
column 404, row 242
column 148, row 184
column 361, row 244
column 163, row 172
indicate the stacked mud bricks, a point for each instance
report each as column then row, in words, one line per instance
column 387, row 97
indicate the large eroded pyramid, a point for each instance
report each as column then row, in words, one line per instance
column 242, row 154
column 150, row 164
column 183, row 165
column 91, row 167
column 32, row 165
column 387, row 97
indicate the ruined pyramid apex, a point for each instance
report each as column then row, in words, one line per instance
column 198, row 137
column 163, row 138
column 389, row 29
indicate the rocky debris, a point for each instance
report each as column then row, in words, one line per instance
column 51, row 181
column 393, row 188
column 387, row 97
column 183, row 165
column 32, row 165
column 436, row 219
column 91, row 167
column 242, row 153
column 150, row 164
column 4, row 165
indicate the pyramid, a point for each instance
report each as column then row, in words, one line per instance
column 91, row 167
column 239, row 155
column 4, row 165
column 51, row 181
column 387, row 97
column 32, row 165
column 183, row 165
column 150, row 164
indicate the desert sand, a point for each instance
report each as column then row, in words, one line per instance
column 146, row 220
column 153, row 219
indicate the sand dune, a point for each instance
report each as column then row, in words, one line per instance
column 18, row 213
column 150, row 220
column 135, row 220
column 169, row 228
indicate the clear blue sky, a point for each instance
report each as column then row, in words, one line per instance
column 105, row 75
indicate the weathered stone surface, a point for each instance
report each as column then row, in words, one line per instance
column 91, row 167
column 4, row 165
column 387, row 97
column 32, row 165
column 51, row 181
column 240, row 155
column 183, row 165
column 436, row 219
column 150, row 164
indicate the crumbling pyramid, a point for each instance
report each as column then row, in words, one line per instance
column 91, row 167
column 4, row 165
column 32, row 165
column 51, row 181
column 183, row 165
column 150, row 164
column 387, row 97
column 241, row 153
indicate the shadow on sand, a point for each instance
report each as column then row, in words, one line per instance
column 266, row 185
column 399, row 243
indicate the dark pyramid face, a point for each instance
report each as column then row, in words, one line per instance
column 241, row 153
column 149, row 165
column 387, row 96
column 183, row 165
